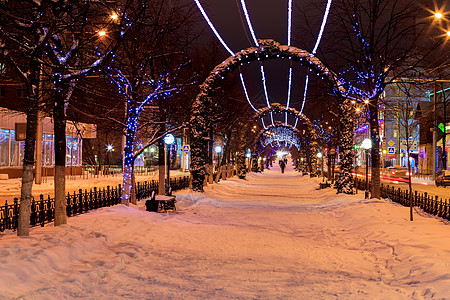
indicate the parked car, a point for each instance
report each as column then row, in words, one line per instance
column 443, row 178
column 397, row 172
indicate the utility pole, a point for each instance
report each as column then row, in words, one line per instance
column 433, row 160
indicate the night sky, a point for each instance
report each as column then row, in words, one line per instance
column 270, row 21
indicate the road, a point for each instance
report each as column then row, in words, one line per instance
column 419, row 185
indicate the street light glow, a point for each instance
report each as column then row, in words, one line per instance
column 366, row 144
column 114, row 16
column 218, row 149
column 102, row 33
column 438, row 15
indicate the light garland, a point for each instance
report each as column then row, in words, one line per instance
column 255, row 40
column 249, row 23
column 205, row 16
column 289, row 22
column 264, row 125
column 211, row 25
column 264, row 85
column 316, row 46
column 245, row 91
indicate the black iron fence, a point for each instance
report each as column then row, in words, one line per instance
column 43, row 210
column 430, row 204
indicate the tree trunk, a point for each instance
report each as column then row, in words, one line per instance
column 161, row 165
column 313, row 158
column 210, row 155
column 23, row 226
column 254, row 166
column 60, row 158
column 345, row 183
column 128, row 155
column 133, row 198
column 162, row 152
column 375, row 151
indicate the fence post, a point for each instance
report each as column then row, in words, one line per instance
column 41, row 210
column 16, row 213
column 108, row 196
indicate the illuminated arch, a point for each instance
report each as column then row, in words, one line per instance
column 267, row 49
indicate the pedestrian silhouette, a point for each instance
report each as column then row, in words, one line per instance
column 282, row 165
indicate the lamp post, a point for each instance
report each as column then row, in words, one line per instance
column 320, row 156
column 218, row 150
column 109, row 148
column 332, row 154
column 367, row 145
column 248, row 155
column 169, row 139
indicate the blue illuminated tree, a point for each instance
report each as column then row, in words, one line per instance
column 376, row 42
column 148, row 69
column 55, row 42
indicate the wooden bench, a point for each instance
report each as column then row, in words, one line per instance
column 324, row 185
column 160, row 203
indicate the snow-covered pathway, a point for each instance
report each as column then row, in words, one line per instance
column 272, row 236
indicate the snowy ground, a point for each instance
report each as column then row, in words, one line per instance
column 11, row 188
column 273, row 236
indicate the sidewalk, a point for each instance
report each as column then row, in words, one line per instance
column 9, row 189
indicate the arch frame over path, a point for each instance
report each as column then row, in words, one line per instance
column 268, row 49
column 277, row 125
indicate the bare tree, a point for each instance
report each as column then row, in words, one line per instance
column 407, row 124
column 55, row 41
column 377, row 41
column 148, row 71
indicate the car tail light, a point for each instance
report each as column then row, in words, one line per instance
column 393, row 173
column 407, row 174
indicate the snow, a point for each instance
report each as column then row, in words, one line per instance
column 9, row 189
column 272, row 236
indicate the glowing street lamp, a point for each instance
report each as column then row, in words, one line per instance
column 218, row 150
column 438, row 15
column 320, row 156
column 102, row 33
column 168, row 139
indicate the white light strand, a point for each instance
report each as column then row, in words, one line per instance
column 316, row 46
column 289, row 87
column 322, row 27
column 245, row 91
column 271, row 118
column 213, row 28
column 296, row 120
column 205, row 16
column 304, row 93
column 290, row 68
column 289, row 22
column 250, row 27
column 249, row 23
column 264, row 125
column 264, row 85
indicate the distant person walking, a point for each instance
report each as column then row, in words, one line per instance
column 282, row 165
